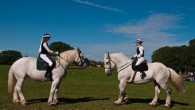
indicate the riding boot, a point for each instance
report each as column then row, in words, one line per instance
column 136, row 68
column 143, row 74
column 49, row 72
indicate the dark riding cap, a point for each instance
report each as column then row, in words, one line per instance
column 138, row 41
column 46, row 35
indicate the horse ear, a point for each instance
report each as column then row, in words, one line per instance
column 106, row 55
column 78, row 50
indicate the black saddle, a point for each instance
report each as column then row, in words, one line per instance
column 142, row 67
column 42, row 65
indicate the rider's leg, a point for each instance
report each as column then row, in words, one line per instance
column 137, row 66
column 50, row 63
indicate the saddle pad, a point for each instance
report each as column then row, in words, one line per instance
column 41, row 65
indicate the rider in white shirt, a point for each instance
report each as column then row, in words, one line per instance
column 139, row 56
column 44, row 51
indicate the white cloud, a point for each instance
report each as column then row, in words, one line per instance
column 152, row 27
column 99, row 6
column 154, row 30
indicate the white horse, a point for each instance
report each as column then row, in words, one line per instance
column 157, row 72
column 27, row 67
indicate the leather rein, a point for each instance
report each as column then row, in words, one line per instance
column 119, row 69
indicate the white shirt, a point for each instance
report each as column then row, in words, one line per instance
column 47, row 48
column 141, row 50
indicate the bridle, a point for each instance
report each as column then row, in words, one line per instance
column 109, row 62
column 81, row 59
column 119, row 69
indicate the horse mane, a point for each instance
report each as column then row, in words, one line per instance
column 121, row 55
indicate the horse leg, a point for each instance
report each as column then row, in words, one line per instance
column 55, row 99
column 157, row 92
column 168, row 91
column 18, row 90
column 52, row 91
column 15, row 96
column 122, row 93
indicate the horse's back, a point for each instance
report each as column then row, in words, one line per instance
column 159, row 70
column 156, row 65
column 22, row 63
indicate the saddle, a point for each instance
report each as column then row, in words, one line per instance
column 42, row 65
column 142, row 67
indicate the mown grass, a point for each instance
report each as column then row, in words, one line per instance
column 91, row 89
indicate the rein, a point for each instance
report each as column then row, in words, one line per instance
column 121, row 67
column 124, row 66
column 59, row 61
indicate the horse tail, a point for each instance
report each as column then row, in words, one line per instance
column 177, row 81
column 10, row 80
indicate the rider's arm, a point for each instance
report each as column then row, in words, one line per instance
column 141, row 49
column 135, row 56
column 47, row 48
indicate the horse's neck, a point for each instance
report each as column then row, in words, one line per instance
column 120, row 60
column 64, row 63
column 68, row 56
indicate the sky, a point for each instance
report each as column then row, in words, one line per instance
column 96, row 26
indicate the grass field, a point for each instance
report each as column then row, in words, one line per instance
column 91, row 89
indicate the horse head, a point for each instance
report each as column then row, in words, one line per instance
column 79, row 59
column 74, row 55
column 109, row 64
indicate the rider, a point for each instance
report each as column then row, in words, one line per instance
column 139, row 56
column 44, row 51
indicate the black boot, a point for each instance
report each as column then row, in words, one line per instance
column 143, row 74
column 136, row 68
column 49, row 72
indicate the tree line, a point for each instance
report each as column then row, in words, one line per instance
column 180, row 58
column 8, row 57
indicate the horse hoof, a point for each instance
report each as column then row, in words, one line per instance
column 151, row 104
column 126, row 101
column 23, row 104
column 53, row 104
column 16, row 101
column 117, row 103
column 167, row 105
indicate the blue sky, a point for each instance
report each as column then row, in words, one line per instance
column 96, row 26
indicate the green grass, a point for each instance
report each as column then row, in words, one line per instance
column 91, row 89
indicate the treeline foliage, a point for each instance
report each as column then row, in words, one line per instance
column 180, row 58
column 8, row 57
column 60, row 46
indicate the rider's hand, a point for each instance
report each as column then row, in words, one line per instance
column 56, row 53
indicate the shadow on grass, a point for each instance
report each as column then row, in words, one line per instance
column 67, row 100
column 160, row 102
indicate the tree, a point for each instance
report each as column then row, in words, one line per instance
column 180, row 58
column 60, row 46
column 8, row 57
column 192, row 42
